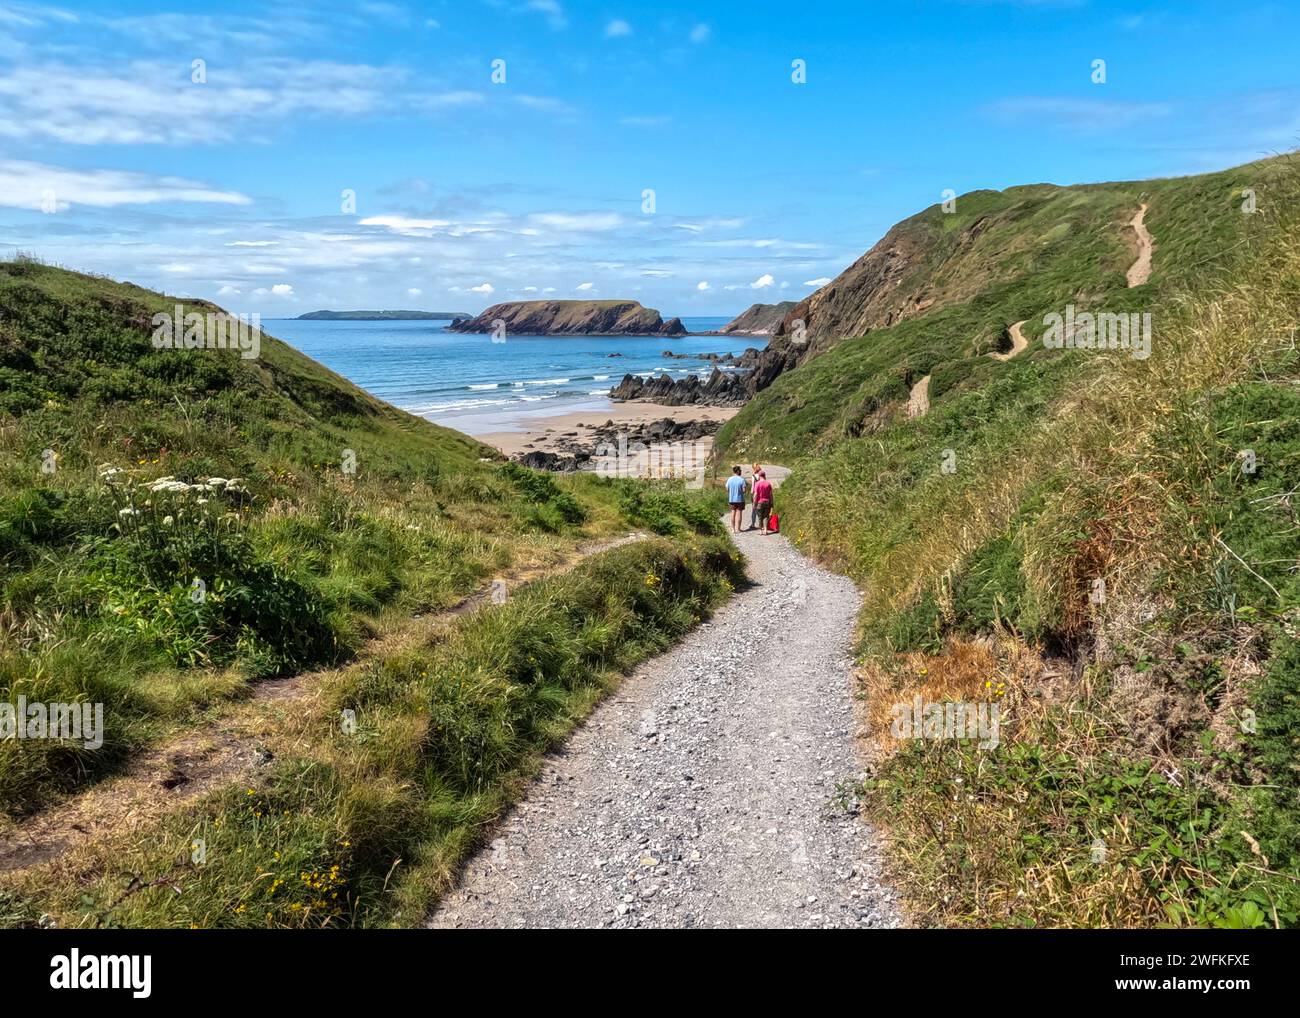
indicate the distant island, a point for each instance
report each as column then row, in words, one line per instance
column 383, row 316
column 573, row 318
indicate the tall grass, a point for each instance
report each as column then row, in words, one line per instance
column 114, row 459
column 366, row 825
column 1099, row 555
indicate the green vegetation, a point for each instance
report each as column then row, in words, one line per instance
column 179, row 525
column 369, row 827
column 1078, row 530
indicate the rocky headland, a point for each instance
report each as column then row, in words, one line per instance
column 572, row 318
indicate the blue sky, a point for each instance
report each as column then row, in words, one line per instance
column 470, row 191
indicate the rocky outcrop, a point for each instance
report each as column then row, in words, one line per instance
column 754, row 370
column 918, row 266
column 720, row 389
column 572, row 318
column 577, row 454
column 759, row 320
column 540, row 459
column 884, row 286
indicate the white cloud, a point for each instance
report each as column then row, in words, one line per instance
column 227, row 291
column 551, row 8
column 617, row 28
column 25, row 185
column 543, row 104
column 282, row 290
column 762, row 282
column 584, row 286
column 819, row 281
column 701, row 33
column 578, row 221
column 449, row 100
column 415, row 291
column 702, row 285
column 406, row 225
column 392, row 13
column 145, row 102
column 483, row 288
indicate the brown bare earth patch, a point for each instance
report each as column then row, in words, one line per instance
column 1018, row 343
column 1140, row 271
column 919, row 400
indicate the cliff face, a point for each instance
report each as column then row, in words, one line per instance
column 759, row 320
column 573, row 318
column 884, row 286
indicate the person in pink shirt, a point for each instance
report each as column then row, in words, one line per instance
column 763, row 498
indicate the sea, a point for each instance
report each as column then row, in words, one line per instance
column 475, row 385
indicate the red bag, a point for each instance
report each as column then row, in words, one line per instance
column 774, row 524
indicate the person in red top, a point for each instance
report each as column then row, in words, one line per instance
column 763, row 498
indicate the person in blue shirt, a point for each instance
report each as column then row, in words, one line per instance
column 736, row 496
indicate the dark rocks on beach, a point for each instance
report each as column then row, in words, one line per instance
column 539, row 459
column 721, row 389
column 713, row 358
column 663, row 430
column 573, row 454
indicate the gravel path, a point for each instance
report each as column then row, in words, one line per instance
column 705, row 792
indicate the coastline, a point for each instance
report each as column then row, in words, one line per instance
column 550, row 432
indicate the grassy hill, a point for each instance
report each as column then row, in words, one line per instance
column 178, row 526
column 1073, row 534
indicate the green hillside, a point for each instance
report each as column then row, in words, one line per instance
column 179, row 526
column 1072, row 533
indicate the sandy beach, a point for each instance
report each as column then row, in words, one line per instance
column 546, row 433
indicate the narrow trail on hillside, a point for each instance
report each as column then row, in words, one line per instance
column 1018, row 343
column 163, row 778
column 918, row 401
column 1140, row 271
column 707, row 791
